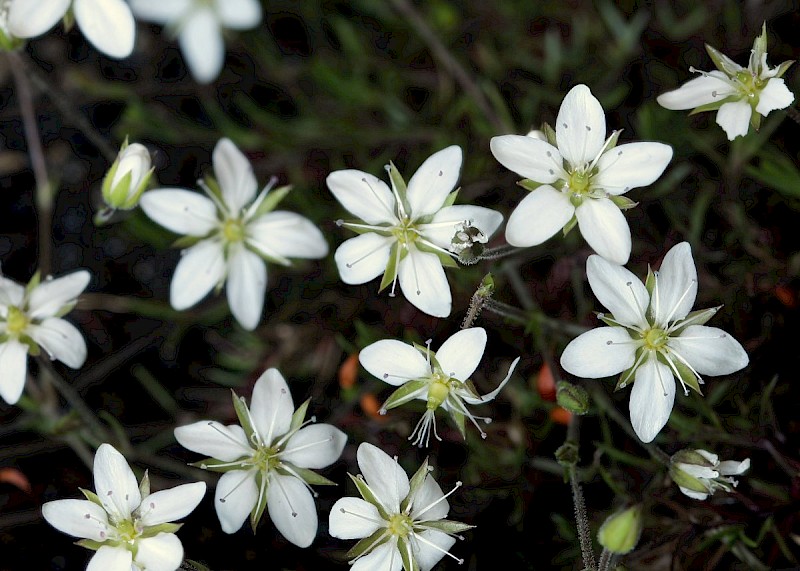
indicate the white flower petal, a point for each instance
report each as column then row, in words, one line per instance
column 163, row 552
column 631, row 166
column 394, row 362
column 170, row 505
column 202, row 45
column 709, row 350
column 14, row 364
column 115, row 483
column 287, row 235
column 271, row 406
column 530, row 158
column 353, row 518
column 460, row 354
column 366, row 197
column 160, row 11
column 676, row 285
column 599, row 353
column 605, row 229
column 69, row 516
column 426, row 555
column 50, row 296
column 693, row 494
column 28, row 19
column 441, row 233
column 11, row 293
column 424, row 284
column 234, row 174
column 316, row 446
column 541, row 214
column 428, row 502
column 291, row 508
column 363, row 258
column 696, row 92
column 246, row 285
column 620, row 292
column 61, row 340
column 433, row 181
column 734, row 118
column 734, row 468
column 652, row 397
column 492, row 395
column 200, row 268
column 109, row 558
column 238, row 14
column 235, row 497
column 383, row 474
column 181, row 211
column 108, row 24
column 210, row 438
column 580, row 126
column 385, row 557
column 775, row 95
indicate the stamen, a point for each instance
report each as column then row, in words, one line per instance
column 293, row 472
column 367, row 255
column 677, row 375
column 379, row 198
column 227, row 436
column 419, row 513
column 380, row 522
column 246, row 476
column 214, row 198
column 281, row 395
column 677, row 303
column 422, row 432
column 458, row 405
column 260, row 198
column 397, row 271
column 421, row 539
column 304, row 446
column 285, row 496
column 279, row 444
column 401, row 210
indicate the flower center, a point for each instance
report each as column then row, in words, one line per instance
column 655, row 339
column 266, row 458
column 438, row 391
column 16, row 322
column 400, row 525
column 405, row 232
column 128, row 531
column 233, row 230
column 579, row 182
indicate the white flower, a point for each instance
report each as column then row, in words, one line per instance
column 108, row 24
column 651, row 337
column 407, row 232
column 267, row 461
column 30, row 320
column 231, row 233
column 741, row 96
column 699, row 473
column 128, row 177
column 577, row 177
column 400, row 522
column 199, row 25
column 441, row 378
column 127, row 526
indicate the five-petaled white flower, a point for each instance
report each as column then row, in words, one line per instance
column 108, row 24
column 441, row 378
column 199, row 25
column 699, row 473
column 407, row 232
column 30, row 320
column 740, row 95
column 577, row 177
column 267, row 461
column 129, row 528
column 651, row 337
column 400, row 523
column 232, row 232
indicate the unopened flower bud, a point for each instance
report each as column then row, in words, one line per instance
column 572, row 397
column 567, row 454
column 620, row 532
column 699, row 473
column 128, row 177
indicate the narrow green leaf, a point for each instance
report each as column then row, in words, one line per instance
column 214, row 465
column 447, row 526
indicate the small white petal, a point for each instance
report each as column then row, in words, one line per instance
column 61, row 340
column 652, row 397
column 202, row 45
column 69, row 516
column 246, row 286
column 394, row 362
column 235, row 497
column 605, row 229
column 492, row 395
column 676, row 285
column 160, row 11
column 170, row 505
column 428, row 504
column 734, row 118
column 238, row 14
column 210, row 438
column 11, row 293
column 271, row 405
column 51, row 295
column 734, row 468
column 115, row 483
column 460, row 354
column 580, row 126
column 709, row 350
column 383, row 474
column 539, row 216
column 14, row 364
column 693, row 494
column 696, row 92
column 292, row 510
column 530, row 158
column 599, row 353
column 620, row 292
column 385, row 557
column 363, row 195
column 424, row 284
column 200, row 268
column 108, row 24
column 234, row 174
column 286, row 235
column 28, row 19
column 181, row 211
column 775, row 95
column 703, row 472
column 353, row 518
column 433, row 181
column 363, row 258
column 441, row 233
column 712, row 458
column 163, row 552
column 426, row 555
column 109, row 558
column 316, row 446
column 631, row 166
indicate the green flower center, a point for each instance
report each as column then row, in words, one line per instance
column 579, row 182
column 405, row 232
column 438, row 391
column 127, row 531
column 266, row 458
column 655, row 339
column 400, row 525
column 16, row 321
column 233, row 230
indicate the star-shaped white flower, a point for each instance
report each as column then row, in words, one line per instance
column 30, row 320
column 267, row 461
column 199, row 25
column 699, row 473
column 108, row 24
column 231, row 232
column 129, row 528
column 441, row 378
column 740, row 95
column 578, row 177
column 652, row 338
column 400, row 523
column 407, row 233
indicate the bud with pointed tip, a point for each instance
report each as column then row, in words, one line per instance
column 699, row 473
column 620, row 532
column 128, row 177
column 572, row 397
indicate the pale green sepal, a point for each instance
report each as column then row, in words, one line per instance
column 68, row 20
column 414, row 484
column 760, row 44
column 725, row 64
column 298, row 416
column 243, row 414
column 625, row 378
column 446, row 260
column 529, row 184
column 755, row 120
column 91, row 496
column 650, row 281
column 261, row 505
column 34, row 282
column 214, row 465
column 272, row 200
column 310, row 477
column 549, row 134
column 447, row 526
column 611, row 142
column 279, row 260
column 153, row 530
column 106, row 189
column 404, row 393
column 132, row 201
column 117, row 195
column 623, row 202
column 90, row 544
column 569, row 225
column 459, row 421
column 33, row 347
column 399, row 186
column 186, row 242
column 687, row 377
column 407, row 555
column 714, row 106
column 213, row 187
column 367, row 544
column 66, row 308
column 469, row 386
column 428, row 354
column 783, row 67
column 451, row 198
column 699, row 317
column 390, row 273
column 144, row 485
column 366, row 493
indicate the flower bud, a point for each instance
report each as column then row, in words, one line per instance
column 128, row 177
column 620, row 532
column 567, row 454
column 699, row 473
column 572, row 397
